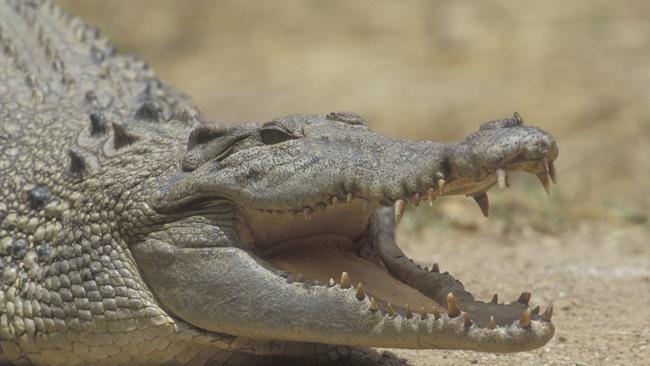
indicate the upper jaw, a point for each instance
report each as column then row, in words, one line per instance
column 408, row 171
column 271, row 227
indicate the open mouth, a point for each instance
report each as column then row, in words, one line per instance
column 308, row 254
column 350, row 245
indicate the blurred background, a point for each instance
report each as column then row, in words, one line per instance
column 421, row 70
column 436, row 70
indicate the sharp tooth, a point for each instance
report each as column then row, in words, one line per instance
column 524, row 298
column 524, row 322
column 466, row 319
column 543, row 177
column 400, row 207
column 335, row 200
column 389, row 310
column 441, row 185
column 417, row 197
column 452, row 307
column 545, row 162
column 308, row 212
column 332, row 283
column 373, row 305
column 552, row 172
column 495, row 299
column 349, row 197
column 436, row 313
column 483, row 202
column 536, row 310
column 502, row 177
column 548, row 313
column 361, row 293
column 492, row 323
column 345, row 280
column 435, row 268
column 431, row 195
column 408, row 313
column 423, row 313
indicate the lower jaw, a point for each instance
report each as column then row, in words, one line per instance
column 386, row 274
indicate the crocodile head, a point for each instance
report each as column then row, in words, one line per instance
column 259, row 219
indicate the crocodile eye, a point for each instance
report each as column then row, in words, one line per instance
column 272, row 135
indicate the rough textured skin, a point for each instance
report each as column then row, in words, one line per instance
column 131, row 232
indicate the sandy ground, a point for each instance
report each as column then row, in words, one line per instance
column 597, row 277
column 434, row 70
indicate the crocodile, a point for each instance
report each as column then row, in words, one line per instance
column 135, row 231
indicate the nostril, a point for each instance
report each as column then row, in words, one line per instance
column 514, row 121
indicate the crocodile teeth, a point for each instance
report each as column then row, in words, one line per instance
column 492, row 323
column 467, row 321
column 452, row 307
column 495, row 299
column 308, row 212
column 524, row 298
column 332, row 283
column 524, row 322
column 431, row 195
column 483, row 202
column 543, row 177
column 349, row 197
column 417, row 197
column 549, row 166
column 361, row 293
column 408, row 313
column 423, row 313
column 400, row 207
column 389, row 310
column 548, row 313
column 502, row 178
column 552, row 172
column 345, row 280
column 436, row 313
column 435, row 268
column 441, row 185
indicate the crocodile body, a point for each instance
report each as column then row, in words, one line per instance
column 134, row 232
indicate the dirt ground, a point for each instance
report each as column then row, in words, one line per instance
column 435, row 70
column 597, row 277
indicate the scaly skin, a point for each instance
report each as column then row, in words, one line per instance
column 132, row 232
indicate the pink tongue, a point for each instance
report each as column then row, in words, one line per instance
column 322, row 263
